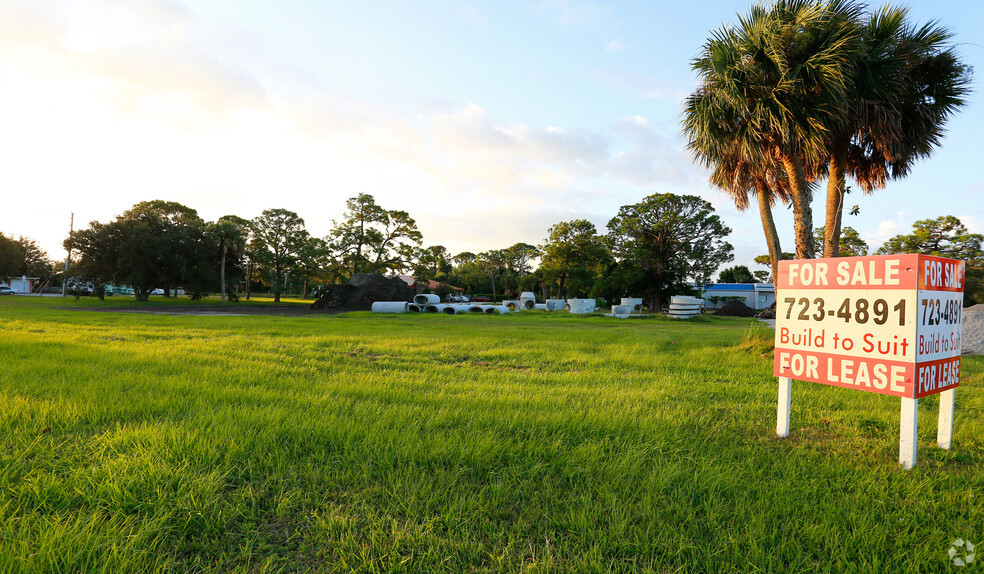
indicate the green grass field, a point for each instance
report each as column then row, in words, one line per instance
column 421, row 443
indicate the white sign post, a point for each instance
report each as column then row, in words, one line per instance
column 887, row 324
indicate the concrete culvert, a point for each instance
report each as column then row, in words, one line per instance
column 581, row 306
column 390, row 307
column 427, row 299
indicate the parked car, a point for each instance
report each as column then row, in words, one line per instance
column 459, row 299
column 481, row 299
column 6, row 291
column 157, row 292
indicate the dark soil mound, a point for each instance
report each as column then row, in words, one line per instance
column 735, row 309
column 769, row 312
column 362, row 290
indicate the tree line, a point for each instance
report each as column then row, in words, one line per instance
column 655, row 248
column 652, row 248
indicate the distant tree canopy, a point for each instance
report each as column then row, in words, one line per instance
column 571, row 256
column 374, row 239
column 945, row 237
column 11, row 256
column 24, row 257
column 663, row 239
column 736, row 274
column 652, row 248
column 280, row 239
column 153, row 244
column 851, row 244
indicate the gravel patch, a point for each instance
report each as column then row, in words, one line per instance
column 972, row 334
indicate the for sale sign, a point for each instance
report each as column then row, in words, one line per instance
column 887, row 324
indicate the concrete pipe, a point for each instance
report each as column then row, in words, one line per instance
column 475, row 309
column 556, row 304
column 621, row 309
column 634, row 302
column 439, row 308
column 683, row 307
column 527, row 300
column 415, row 308
column 427, row 299
column 540, row 307
column 390, row 307
column 455, row 309
column 581, row 306
column 514, row 305
column 495, row 309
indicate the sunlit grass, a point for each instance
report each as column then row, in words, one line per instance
column 421, row 443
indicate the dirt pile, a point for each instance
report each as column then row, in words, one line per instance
column 972, row 333
column 769, row 312
column 735, row 309
column 362, row 290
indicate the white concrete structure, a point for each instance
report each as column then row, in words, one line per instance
column 581, row 306
column 390, row 307
column 682, row 307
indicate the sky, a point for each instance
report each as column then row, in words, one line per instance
column 487, row 122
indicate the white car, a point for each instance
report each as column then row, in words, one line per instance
column 7, row 291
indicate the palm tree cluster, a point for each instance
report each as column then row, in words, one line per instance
column 798, row 90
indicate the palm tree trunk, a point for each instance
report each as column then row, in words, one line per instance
column 835, row 196
column 802, row 211
column 222, row 272
column 249, row 274
column 769, row 226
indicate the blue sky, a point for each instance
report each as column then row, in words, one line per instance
column 487, row 122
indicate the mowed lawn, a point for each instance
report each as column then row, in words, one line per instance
column 420, row 443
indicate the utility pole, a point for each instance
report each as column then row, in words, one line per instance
column 68, row 258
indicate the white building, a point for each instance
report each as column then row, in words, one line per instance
column 758, row 296
column 22, row 284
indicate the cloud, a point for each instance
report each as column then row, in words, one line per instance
column 887, row 228
column 974, row 224
column 117, row 102
column 474, row 15
column 577, row 13
column 614, row 46
column 640, row 84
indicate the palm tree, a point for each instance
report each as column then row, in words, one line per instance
column 771, row 86
column 229, row 232
column 905, row 84
column 732, row 169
